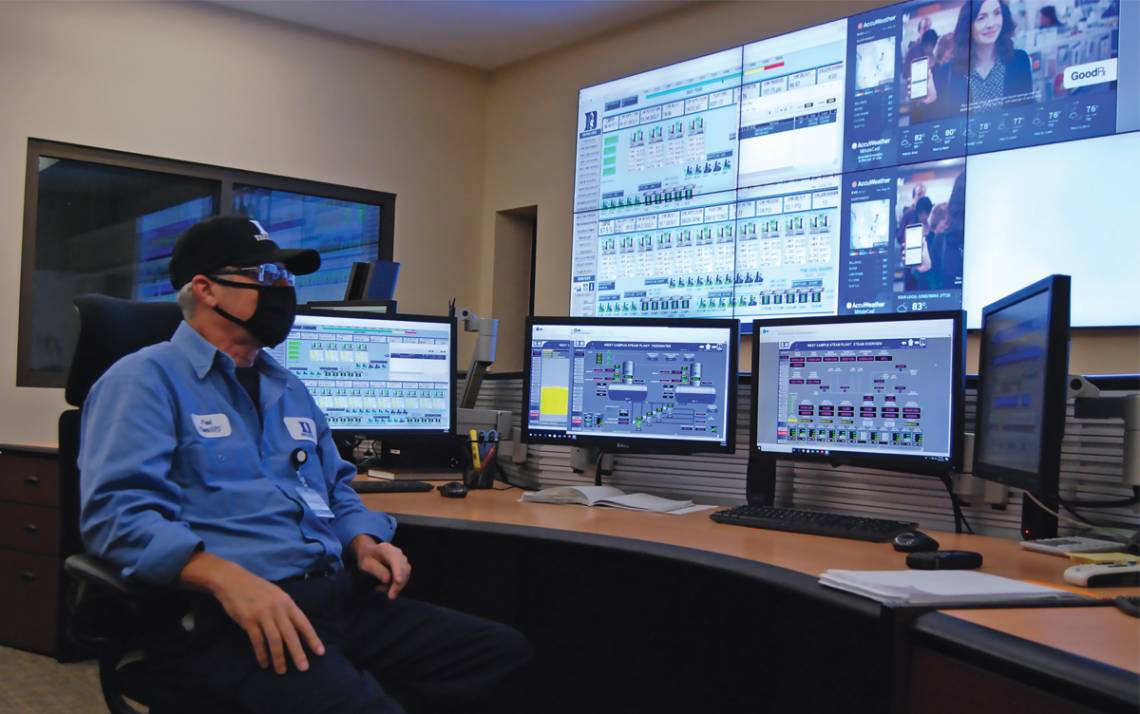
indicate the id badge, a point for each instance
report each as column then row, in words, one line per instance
column 315, row 502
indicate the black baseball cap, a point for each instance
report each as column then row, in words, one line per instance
column 234, row 241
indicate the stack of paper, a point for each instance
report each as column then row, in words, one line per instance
column 938, row 587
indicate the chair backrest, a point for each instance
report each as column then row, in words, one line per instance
column 110, row 329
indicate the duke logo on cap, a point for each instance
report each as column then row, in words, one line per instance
column 261, row 234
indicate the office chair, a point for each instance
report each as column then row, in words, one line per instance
column 128, row 626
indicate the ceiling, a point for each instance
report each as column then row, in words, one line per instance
column 485, row 34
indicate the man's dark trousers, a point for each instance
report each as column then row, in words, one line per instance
column 380, row 655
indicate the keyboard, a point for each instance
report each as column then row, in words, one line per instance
column 814, row 522
column 384, row 486
column 1129, row 605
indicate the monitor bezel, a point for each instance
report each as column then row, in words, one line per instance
column 1046, row 478
column 887, row 462
column 403, row 317
column 637, row 445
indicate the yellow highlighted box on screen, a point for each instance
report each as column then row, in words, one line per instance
column 554, row 401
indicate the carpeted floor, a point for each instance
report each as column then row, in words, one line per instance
column 34, row 684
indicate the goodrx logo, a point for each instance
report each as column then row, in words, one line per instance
column 1083, row 75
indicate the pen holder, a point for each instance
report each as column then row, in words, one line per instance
column 470, row 477
column 486, row 477
column 482, row 477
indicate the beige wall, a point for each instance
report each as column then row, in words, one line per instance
column 531, row 113
column 197, row 83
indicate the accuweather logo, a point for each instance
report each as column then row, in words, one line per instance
column 876, row 23
column 860, row 145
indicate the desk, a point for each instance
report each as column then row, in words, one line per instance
column 725, row 582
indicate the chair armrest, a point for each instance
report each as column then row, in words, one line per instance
column 100, row 574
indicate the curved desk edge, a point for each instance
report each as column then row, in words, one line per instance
column 790, row 580
column 1080, row 673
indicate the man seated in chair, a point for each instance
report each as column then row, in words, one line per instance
column 206, row 465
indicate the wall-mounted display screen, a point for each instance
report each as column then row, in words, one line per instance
column 824, row 171
column 1052, row 215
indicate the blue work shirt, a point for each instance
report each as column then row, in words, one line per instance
column 173, row 458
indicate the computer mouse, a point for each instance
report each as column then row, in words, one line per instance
column 944, row 560
column 914, row 542
column 453, row 489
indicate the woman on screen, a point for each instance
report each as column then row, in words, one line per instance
column 986, row 71
column 946, row 241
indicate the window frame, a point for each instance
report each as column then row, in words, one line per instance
column 226, row 177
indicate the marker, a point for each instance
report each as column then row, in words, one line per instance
column 475, row 451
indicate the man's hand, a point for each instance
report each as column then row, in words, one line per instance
column 268, row 615
column 383, row 561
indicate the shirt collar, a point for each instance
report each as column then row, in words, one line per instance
column 196, row 348
column 203, row 355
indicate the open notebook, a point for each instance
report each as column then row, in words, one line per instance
column 609, row 496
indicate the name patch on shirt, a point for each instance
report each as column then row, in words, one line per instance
column 212, row 426
column 302, row 428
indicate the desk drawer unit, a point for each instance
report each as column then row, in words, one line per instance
column 29, row 596
column 29, row 479
column 32, row 529
column 31, row 550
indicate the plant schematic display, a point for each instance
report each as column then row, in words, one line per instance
column 625, row 381
column 872, row 387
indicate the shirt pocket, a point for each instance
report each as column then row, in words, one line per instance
column 220, row 461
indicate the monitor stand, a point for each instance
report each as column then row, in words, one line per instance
column 1036, row 522
column 594, row 470
column 760, row 487
column 590, row 461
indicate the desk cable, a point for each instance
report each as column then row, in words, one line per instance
column 1110, row 530
column 959, row 517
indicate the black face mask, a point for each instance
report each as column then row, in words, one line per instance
column 273, row 318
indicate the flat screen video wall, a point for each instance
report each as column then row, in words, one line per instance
column 923, row 156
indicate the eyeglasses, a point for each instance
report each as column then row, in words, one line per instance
column 264, row 274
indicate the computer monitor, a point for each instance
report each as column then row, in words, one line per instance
column 879, row 391
column 376, row 375
column 1022, row 391
column 375, row 307
column 373, row 280
column 622, row 384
